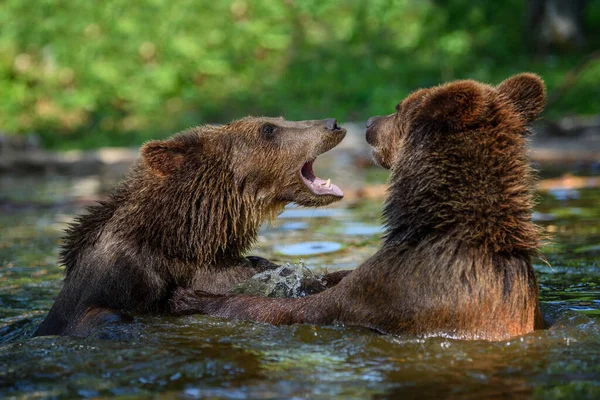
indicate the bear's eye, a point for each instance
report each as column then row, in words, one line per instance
column 268, row 131
column 397, row 107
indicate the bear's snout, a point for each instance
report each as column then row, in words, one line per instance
column 372, row 137
column 372, row 128
column 371, row 121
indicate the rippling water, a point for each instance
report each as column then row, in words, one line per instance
column 206, row 357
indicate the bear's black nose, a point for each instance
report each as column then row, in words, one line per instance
column 331, row 124
column 371, row 121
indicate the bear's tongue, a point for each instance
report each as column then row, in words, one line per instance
column 317, row 185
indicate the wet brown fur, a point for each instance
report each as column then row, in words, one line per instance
column 185, row 215
column 456, row 259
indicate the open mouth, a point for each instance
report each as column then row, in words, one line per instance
column 316, row 185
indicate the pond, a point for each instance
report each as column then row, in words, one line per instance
column 208, row 357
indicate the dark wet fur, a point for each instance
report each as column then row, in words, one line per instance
column 456, row 259
column 185, row 215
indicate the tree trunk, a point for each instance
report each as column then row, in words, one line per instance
column 555, row 24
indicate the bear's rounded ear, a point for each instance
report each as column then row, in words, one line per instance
column 454, row 106
column 163, row 157
column 527, row 93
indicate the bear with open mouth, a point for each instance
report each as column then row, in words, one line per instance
column 456, row 257
column 185, row 215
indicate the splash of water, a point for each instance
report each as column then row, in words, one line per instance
column 288, row 280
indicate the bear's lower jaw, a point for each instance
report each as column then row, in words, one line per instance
column 307, row 199
column 316, row 185
column 380, row 159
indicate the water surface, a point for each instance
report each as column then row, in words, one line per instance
column 208, row 357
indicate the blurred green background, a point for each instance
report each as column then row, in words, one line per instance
column 83, row 74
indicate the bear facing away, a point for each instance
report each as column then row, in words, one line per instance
column 184, row 217
column 456, row 258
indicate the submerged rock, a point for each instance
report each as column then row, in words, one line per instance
column 289, row 280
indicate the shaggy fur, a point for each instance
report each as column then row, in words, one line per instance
column 184, row 217
column 456, row 259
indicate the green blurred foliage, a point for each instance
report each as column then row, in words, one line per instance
column 117, row 72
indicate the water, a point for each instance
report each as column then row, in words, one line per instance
column 207, row 357
column 308, row 248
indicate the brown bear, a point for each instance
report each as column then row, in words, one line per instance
column 456, row 258
column 185, row 215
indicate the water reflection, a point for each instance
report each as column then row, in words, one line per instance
column 307, row 248
column 362, row 229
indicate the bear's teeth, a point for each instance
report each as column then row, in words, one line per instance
column 328, row 184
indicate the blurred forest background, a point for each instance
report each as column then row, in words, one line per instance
column 84, row 74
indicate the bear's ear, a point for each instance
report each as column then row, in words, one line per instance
column 454, row 106
column 527, row 93
column 163, row 157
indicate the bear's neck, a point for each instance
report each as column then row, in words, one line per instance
column 465, row 194
column 200, row 221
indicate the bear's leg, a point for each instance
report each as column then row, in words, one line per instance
column 220, row 280
column 94, row 318
column 320, row 308
column 261, row 264
column 58, row 317
column 334, row 278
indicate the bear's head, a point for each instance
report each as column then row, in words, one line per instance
column 269, row 160
column 458, row 160
column 454, row 109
